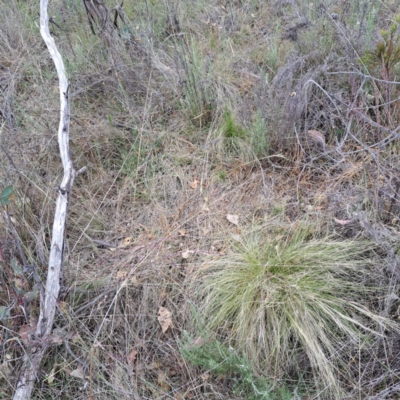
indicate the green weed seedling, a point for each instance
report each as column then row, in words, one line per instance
column 386, row 53
column 222, row 360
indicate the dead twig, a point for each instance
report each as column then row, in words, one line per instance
column 35, row 350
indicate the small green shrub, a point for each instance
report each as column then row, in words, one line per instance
column 260, row 141
column 222, row 360
column 381, row 61
column 386, row 53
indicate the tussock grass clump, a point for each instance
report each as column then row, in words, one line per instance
column 233, row 137
column 290, row 299
column 234, row 141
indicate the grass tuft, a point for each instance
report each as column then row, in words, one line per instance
column 286, row 293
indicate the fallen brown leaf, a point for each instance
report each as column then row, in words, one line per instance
column 233, row 219
column 186, row 254
column 78, row 373
column 122, row 274
column 162, row 381
column 132, row 356
column 125, row 242
column 342, row 221
column 164, row 318
column 317, row 136
column 24, row 333
column 195, row 184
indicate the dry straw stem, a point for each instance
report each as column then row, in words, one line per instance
column 48, row 299
column 285, row 294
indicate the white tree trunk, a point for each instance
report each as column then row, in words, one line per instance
column 36, row 349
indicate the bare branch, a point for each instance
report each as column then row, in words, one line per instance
column 37, row 348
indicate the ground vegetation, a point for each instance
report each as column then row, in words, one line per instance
column 236, row 232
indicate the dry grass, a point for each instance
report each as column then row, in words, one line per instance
column 195, row 112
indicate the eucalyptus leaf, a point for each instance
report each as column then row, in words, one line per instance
column 4, row 312
column 6, row 194
column 15, row 267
